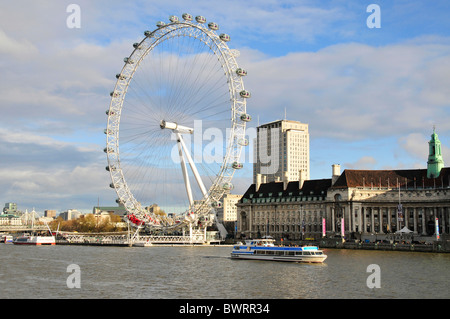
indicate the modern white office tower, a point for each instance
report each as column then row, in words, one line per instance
column 281, row 150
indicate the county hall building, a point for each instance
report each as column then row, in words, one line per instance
column 354, row 203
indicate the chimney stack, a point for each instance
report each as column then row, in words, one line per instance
column 258, row 181
column 336, row 172
column 301, row 178
column 285, row 180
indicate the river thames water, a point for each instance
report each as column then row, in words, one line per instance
column 207, row 272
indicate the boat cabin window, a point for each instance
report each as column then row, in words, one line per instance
column 290, row 253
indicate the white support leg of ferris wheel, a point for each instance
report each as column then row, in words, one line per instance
column 185, row 173
column 178, row 130
column 193, row 167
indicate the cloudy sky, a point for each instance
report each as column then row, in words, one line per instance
column 370, row 95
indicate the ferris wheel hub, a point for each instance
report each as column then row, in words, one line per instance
column 175, row 127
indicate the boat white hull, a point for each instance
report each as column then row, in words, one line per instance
column 304, row 259
column 264, row 249
column 35, row 241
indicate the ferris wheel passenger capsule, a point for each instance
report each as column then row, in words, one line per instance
column 243, row 142
column 224, row 37
column 128, row 60
column 200, row 19
column 114, row 94
column 111, row 185
column 109, row 112
column 174, row 19
column 241, row 72
column 137, row 46
column 244, row 94
column 120, row 76
column 148, row 33
column 160, row 24
column 186, row 17
column 246, row 117
column 107, row 132
column 237, row 165
column 227, row 186
column 213, row 26
column 216, row 204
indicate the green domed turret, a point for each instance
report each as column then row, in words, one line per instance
column 435, row 161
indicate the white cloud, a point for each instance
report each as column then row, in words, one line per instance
column 365, row 162
column 58, row 80
column 355, row 91
column 416, row 146
column 19, row 49
column 39, row 171
column 60, row 189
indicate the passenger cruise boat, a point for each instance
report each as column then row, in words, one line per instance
column 34, row 240
column 27, row 239
column 264, row 249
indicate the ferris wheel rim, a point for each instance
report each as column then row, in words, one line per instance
column 228, row 62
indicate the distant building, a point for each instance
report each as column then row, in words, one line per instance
column 10, row 208
column 281, row 147
column 10, row 220
column 45, row 220
column 102, row 217
column 50, row 213
column 116, row 210
column 70, row 214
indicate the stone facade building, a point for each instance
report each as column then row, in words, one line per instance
column 367, row 202
column 283, row 209
column 353, row 204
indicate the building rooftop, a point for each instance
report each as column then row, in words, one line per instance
column 316, row 187
column 407, row 178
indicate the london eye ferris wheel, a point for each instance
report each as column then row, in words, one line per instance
column 176, row 124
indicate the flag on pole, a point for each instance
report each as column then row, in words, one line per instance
column 400, row 212
column 303, row 227
column 324, row 230
column 437, row 228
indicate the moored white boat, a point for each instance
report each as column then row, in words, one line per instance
column 264, row 249
column 34, row 240
column 27, row 239
column 7, row 239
